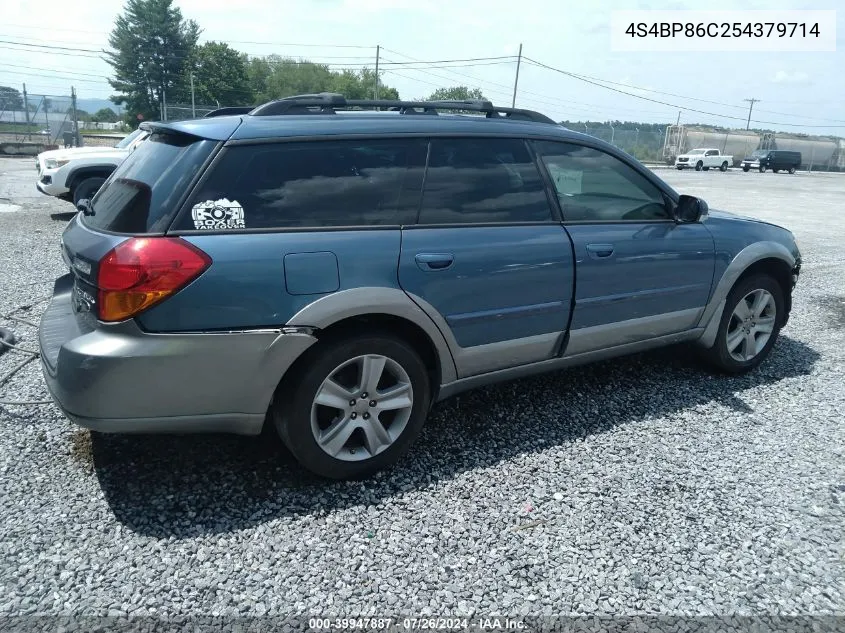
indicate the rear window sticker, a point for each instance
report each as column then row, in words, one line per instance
column 218, row 214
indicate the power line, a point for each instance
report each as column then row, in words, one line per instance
column 636, row 96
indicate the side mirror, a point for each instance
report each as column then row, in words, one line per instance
column 690, row 209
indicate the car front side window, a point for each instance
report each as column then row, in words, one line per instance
column 593, row 186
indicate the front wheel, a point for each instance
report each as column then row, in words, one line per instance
column 699, row 166
column 762, row 169
column 355, row 406
column 792, row 170
column 723, row 166
column 680, row 167
column 86, row 189
column 749, row 326
column 745, row 169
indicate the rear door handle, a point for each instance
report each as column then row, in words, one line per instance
column 599, row 251
column 434, row 261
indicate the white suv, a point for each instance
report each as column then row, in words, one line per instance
column 76, row 173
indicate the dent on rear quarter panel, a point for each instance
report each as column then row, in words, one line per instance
column 245, row 287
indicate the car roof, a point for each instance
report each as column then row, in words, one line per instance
column 249, row 127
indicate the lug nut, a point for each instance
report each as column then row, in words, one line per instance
column 373, row 403
column 366, row 416
column 364, row 395
column 353, row 415
column 352, row 402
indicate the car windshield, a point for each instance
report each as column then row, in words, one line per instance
column 128, row 139
column 696, row 151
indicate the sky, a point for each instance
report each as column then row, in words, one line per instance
column 797, row 91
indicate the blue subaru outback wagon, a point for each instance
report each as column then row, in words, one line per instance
column 335, row 267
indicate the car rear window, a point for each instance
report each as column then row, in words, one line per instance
column 143, row 193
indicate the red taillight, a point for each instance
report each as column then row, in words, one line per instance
column 140, row 272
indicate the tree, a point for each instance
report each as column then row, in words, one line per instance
column 274, row 77
column 456, row 93
column 105, row 115
column 152, row 43
column 81, row 115
column 219, row 76
column 10, row 98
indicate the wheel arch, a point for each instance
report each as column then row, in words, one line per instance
column 762, row 257
column 83, row 173
column 391, row 309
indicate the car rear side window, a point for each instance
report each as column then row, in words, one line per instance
column 481, row 181
column 143, row 193
column 374, row 182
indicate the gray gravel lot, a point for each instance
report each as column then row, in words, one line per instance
column 638, row 486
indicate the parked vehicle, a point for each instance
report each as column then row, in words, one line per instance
column 773, row 159
column 337, row 272
column 77, row 173
column 703, row 158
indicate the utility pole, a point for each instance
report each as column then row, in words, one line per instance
column 26, row 110
column 378, row 54
column 516, row 79
column 75, row 123
column 193, row 103
column 752, row 101
column 678, row 122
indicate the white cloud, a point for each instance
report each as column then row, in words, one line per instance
column 785, row 77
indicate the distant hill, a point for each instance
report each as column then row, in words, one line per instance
column 92, row 105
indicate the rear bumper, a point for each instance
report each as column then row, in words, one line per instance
column 118, row 378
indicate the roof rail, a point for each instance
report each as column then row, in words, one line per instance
column 329, row 103
column 229, row 110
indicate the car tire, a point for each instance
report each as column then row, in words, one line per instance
column 745, row 169
column 329, row 418
column 743, row 340
column 680, row 167
column 706, row 169
column 699, row 166
column 86, row 189
column 762, row 169
column 792, row 170
column 723, row 166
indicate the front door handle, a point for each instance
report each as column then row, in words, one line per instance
column 434, row 261
column 599, row 251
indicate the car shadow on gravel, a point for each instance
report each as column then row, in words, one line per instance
column 184, row 486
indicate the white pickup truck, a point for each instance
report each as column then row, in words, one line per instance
column 76, row 173
column 703, row 158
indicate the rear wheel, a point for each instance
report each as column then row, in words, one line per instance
column 723, row 166
column 680, row 167
column 86, row 189
column 749, row 326
column 745, row 169
column 792, row 170
column 356, row 406
column 762, row 169
column 699, row 166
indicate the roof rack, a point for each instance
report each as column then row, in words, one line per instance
column 229, row 110
column 330, row 102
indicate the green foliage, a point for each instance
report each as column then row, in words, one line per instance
column 220, row 76
column 274, row 77
column 81, row 115
column 456, row 93
column 104, row 115
column 10, row 98
column 151, row 44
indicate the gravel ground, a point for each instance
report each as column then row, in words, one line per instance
column 641, row 486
